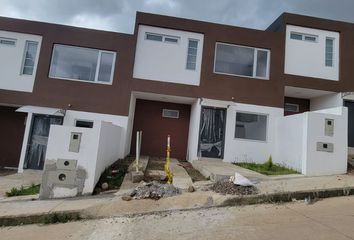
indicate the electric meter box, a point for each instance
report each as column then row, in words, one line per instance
column 329, row 127
column 75, row 140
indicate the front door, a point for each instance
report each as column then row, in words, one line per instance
column 37, row 142
column 212, row 132
column 350, row 106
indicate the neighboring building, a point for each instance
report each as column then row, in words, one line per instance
column 220, row 91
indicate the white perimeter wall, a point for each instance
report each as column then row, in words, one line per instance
column 11, row 60
column 306, row 58
column 97, row 148
column 162, row 61
column 122, row 121
column 297, row 142
column 193, row 135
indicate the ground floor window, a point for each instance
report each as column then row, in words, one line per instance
column 251, row 126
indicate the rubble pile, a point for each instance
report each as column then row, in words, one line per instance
column 154, row 190
column 228, row 187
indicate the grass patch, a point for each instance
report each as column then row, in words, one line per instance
column 267, row 168
column 61, row 218
column 31, row 190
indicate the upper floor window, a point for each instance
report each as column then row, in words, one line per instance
column 192, row 54
column 161, row 38
column 83, row 64
column 303, row 37
column 329, row 52
column 29, row 57
column 241, row 61
column 7, row 41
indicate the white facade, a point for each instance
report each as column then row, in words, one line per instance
column 298, row 136
column 236, row 150
column 98, row 148
column 327, row 101
column 166, row 61
column 307, row 58
column 12, row 60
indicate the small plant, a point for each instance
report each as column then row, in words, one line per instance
column 31, row 190
column 269, row 163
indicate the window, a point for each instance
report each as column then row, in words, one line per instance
column 241, row 61
column 329, row 52
column 7, row 41
column 29, row 58
column 303, row 37
column 251, row 126
column 291, row 107
column 161, row 38
column 84, row 124
column 192, row 54
column 168, row 113
column 83, row 64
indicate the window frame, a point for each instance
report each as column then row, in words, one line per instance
column 254, row 71
column 171, row 110
column 292, row 104
column 24, row 58
column 163, row 38
column 255, row 113
column 196, row 55
column 303, row 37
column 84, row 120
column 332, row 60
column 8, row 39
column 97, row 66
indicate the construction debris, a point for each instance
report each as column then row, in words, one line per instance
column 228, row 187
column 238, row 179
column 154, row 190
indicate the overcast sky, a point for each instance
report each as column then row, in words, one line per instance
column 119, row 15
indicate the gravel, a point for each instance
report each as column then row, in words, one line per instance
column 227, row 187
column 154, row 190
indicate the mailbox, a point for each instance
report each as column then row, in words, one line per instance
column 325, row 147
column 75, row 139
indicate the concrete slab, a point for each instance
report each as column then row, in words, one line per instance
column 181, row 179
column 27, row 178
column 217, row 170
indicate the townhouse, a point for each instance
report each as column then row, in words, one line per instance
column 221, row 92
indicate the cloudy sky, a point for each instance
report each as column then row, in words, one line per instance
column 119, row 15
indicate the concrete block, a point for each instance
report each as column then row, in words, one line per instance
column 62, row 177
column 66, row 164
column 137, row 176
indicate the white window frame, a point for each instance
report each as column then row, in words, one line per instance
column 292, row 104
column 303, row 37
column 196, row 56
column 252, row 140
column 254, row 74
column 8, row 39
column 170, row 110
column 333, row 41
column 164, row 36
column 84, row 120
column 97, row 66
column 24, row 58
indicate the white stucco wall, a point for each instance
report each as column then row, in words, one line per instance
column 11, row 60
column 97, row 148
column 162, row 61
column 244, row 150
column 306, row 58
column 130, row 123
column 291, row 141
column 193, row 134
column 297, row 142
column 327, row 101
column 122, row 121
